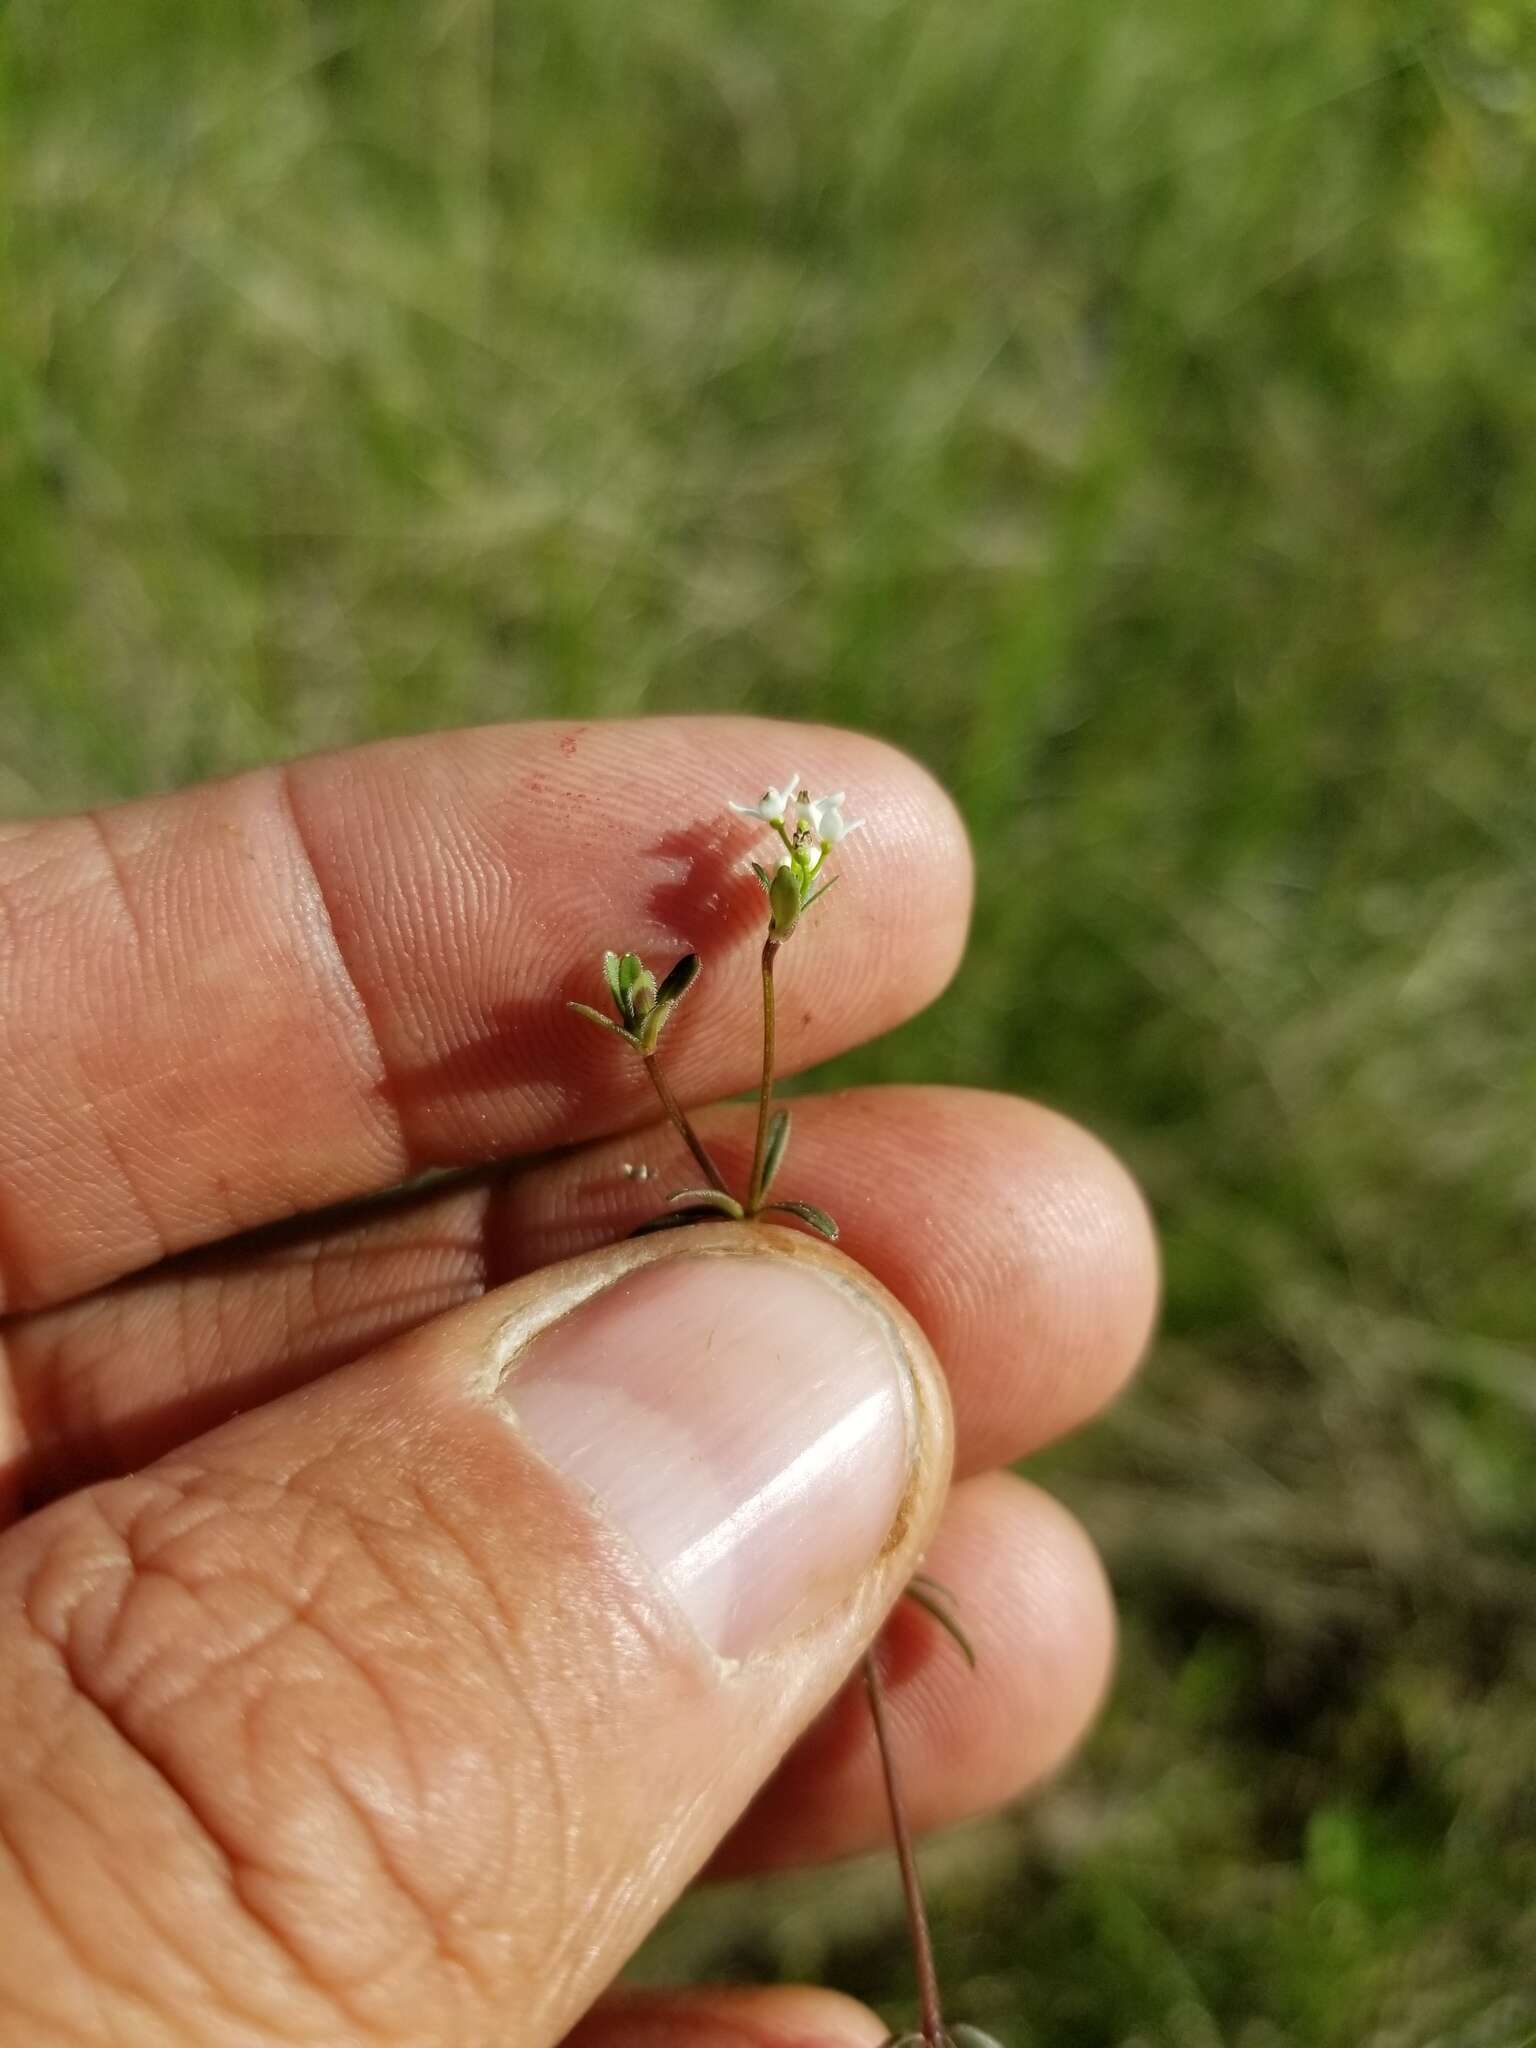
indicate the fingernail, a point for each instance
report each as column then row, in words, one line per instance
column 746, row 1421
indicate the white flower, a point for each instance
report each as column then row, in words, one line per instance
column 823, row 815
column 774, row 805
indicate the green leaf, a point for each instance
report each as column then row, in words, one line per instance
column 680, row 980
column 807, row 1212
column 774, row 1150
column 715, row 1197
column 935, row 1586
column 930, row 1596
column 615, row 985
column 639, row 985
column 596, row 1017
column 649, row 1026
column 816, row 895
column 763, row 876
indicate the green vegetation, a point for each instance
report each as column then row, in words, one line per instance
column 1129, row 407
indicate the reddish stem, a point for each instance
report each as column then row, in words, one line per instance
column 911, row 1883
column 684, row 1128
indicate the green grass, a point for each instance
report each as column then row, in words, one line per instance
column 1129, row 408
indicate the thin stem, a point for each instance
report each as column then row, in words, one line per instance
column 679, row 1116
column 765, row 1089
column 911, row 1883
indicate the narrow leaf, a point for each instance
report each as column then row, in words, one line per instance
column 726, row 1204
column 807, row 1212
column 678, row 1220
column 925, row 1594
column 639, row 984
column 774, row 1150
column 763, row 876
column 817, row 894
column 650, row 1026
column 629, row 991
column 611, row 976
column 596, row 1017
column 680, row 980
column 937, row 1587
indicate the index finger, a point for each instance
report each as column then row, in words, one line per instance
column 308, row 983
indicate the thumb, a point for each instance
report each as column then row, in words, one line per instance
column 401, row 1708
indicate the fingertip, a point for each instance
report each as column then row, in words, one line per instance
column 1025, row 1584
column 778, row 2016
column 1098, row 1233
column 927, row 823
column 908, row 876
column 1045, row 1586
column 1031, row 1593
column 1052, row 1269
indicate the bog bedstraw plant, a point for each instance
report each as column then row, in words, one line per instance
column 808, row 830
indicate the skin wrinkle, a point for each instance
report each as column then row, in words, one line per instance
column 1015, row 1304
column 302, row 1621
column 345, row 980
column 230, row 1859
column 497, row 1628
column 95, row 1979
column 10, row 921
column 436, row 954
column 600, row 1670
column 169, row 1931
column 116, row 874
column 638, row 1874
column 499, row 1641
column 298, row 1622
column 365, row 1829
column 69, row 1383
column 90, row 1103
column 503, row 1639
column 436, row 1942
column 557, row 1850
column 93, row 1099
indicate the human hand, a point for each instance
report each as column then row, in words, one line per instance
column 402, row 1605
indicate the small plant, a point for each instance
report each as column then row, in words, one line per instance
column 808, row 830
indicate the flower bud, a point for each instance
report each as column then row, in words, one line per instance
column 785, row 900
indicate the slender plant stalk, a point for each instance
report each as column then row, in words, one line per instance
column 679, row 1116
column 765, row 1091
column 911, row 1883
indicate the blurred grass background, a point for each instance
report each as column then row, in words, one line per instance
column 1128, row 407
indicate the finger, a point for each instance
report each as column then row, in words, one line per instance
column 286, row 990
column 776, row 2016
column 1017, row 1240
column 1030, row 1594
column 402, row 1708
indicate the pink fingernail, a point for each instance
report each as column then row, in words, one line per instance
column 747, row 1421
